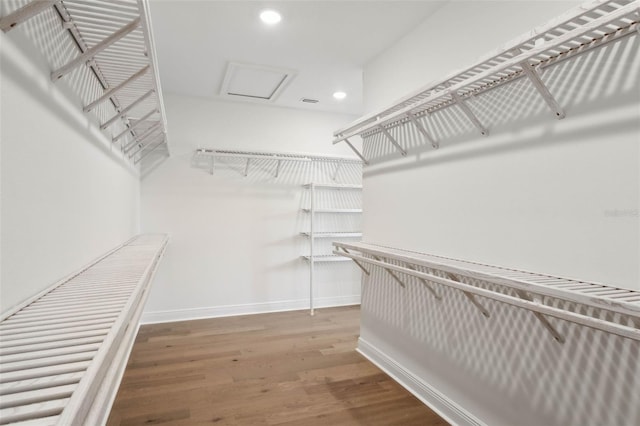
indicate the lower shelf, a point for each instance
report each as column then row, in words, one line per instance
column 326, row 258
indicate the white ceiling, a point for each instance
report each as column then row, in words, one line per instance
column 326, row 42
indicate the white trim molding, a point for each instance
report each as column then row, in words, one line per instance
column 245, row 309
column 434, row 399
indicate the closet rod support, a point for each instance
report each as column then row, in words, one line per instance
column 9, row 22
column 122, row 113
column 543, row 319
column 141, row 146
column 534, row 77
column 355, row 261
column 116, row 89
column 470, row 296
column 133, row 126
column 142, row 137
column 90, row 53
column 426, row 284
column 393, row 141
column 422, row 130
column 467, row 111
column 394, row 276
column 353, row 148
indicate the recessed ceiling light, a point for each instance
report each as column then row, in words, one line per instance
column 339, row 95
column 270, row 17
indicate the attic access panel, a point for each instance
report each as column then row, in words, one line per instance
column 254, row 82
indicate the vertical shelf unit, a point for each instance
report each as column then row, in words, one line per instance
column 313, row 234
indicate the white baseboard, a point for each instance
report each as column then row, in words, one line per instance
column 245, row 309
column 442, row 405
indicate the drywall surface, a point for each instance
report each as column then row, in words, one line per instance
column 235, row 240
column 551, row 196
column 66, row 199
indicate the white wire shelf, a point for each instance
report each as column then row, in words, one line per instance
column 333, row 210
column 571, row 34
column 333, row 234
column 115, row 42
column 520, row 288
column 278, row 158
column 63, row 352
column 325, row 258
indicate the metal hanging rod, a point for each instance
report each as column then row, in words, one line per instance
column 567, row 36
column 530, row 288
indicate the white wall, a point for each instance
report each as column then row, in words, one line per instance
column 557, row 197
column 65, row 198
column 235, row 244
column 550, row 188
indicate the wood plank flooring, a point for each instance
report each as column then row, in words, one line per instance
column 273, row 369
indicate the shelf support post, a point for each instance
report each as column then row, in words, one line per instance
column 543, row 320
column 395, row 277
column 9, row 22
column 115, row 90
column 393, row 141
column 133, row 126
column 426, row 284
column 353, row 148
column 422, row 130
column 122, row 113
column 470, row 296
column 534, row 77
column 90, row 53
column 246, row 168
column 211, row 164
column 467, row 111
column 312, row 205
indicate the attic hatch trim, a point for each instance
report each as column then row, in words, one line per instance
column 234, row 67
column 580, row 30
column 135, row 98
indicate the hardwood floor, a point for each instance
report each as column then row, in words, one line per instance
column 273, row 369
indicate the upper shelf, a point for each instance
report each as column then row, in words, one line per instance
column 115, row 43
column 277, row 158
column 573, row 33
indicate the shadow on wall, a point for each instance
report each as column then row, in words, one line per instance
column 607, row 75
column 509, row 359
